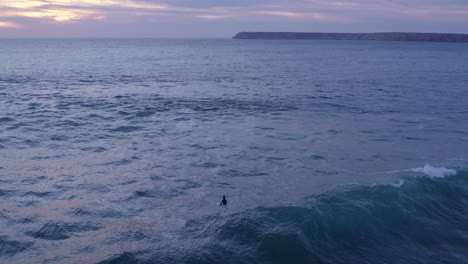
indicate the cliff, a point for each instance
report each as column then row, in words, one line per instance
column 385, row 36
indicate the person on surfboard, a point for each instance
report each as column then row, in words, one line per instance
column 224, row 201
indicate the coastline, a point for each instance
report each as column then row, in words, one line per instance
column 383, row 36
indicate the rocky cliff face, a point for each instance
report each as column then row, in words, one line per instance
column 386, row 36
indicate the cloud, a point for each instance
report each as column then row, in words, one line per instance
column 56, row 14
column 67, row 10
column 210, row 16
column 339, row 15
column 6, row 24
column 300, row 15
column 281, row 13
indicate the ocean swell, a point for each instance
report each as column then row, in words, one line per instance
column 421, row 221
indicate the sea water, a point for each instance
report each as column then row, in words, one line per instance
column 120, row 150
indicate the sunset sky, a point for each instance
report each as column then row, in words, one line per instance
column 224, row 18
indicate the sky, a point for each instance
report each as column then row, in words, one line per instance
column 224, row 18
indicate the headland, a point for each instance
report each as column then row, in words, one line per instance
column 382, row 36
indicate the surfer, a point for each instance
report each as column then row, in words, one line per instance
column 224, row 201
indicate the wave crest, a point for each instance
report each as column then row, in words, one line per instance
column 435, row 171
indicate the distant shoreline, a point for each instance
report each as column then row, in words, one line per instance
column 382, row 36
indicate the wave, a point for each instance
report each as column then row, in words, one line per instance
column 419, row 220
column 422, row 221
column 435, row 172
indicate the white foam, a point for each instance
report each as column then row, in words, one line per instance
column 399, row 183
column 436, row 172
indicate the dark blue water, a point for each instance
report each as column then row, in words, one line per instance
column 119, row 151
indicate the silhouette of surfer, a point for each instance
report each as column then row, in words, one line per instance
column 224, row 201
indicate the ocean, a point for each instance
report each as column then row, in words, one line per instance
column 120, row 150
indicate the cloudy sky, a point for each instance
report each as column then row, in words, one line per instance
column 224, row 18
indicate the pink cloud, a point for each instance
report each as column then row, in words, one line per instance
column 6, row 24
